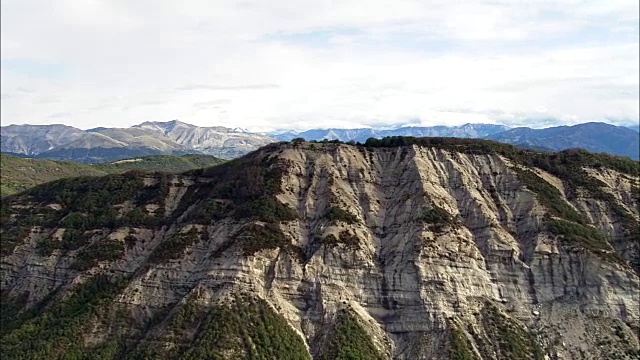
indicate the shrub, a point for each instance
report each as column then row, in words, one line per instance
column 585, row 236
column 460, row 347
column 57, row 330
column 173, row 246
column 102, row 250
column 335, row 214
column 253, row 238
column 437, row 218
column 345, row 237
column 348, row 340
column 510, row 340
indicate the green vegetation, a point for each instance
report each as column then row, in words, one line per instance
column 349, row 341
column 13, row 233
column 254, row 237
column 16, row 223
column 460, row 348
column 102, row 250
column 10, row 309
column 176, row 330
column 164, row 163
column 93, row 196
column 223, row 333
column 584, row 235
column 85, row 204
column 437, row 218
column 567, row 165
column 19, row 174
column 58, row 327
column 57, row 331
column 242, row 189
column 566, row 159
column 509, row 340
column 335, row 214
column 549, row 196
column 173, row 247
column 344, row 237
column 210, row 210
column 72, row 239
column 264, row 208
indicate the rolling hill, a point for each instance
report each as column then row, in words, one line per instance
column 18, row 174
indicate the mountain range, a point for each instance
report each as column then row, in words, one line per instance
column 60, row 142
column 401, row 248
column 594, row 136
column 361, row 135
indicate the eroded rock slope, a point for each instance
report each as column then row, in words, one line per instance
column 439, row 250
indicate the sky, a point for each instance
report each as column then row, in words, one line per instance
column 282, row 64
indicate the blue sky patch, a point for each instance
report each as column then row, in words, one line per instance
column 32, row 68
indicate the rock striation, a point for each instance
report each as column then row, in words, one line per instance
column 419, row 252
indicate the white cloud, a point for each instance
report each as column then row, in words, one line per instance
column 305, row 64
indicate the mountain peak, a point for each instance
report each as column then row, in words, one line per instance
column 165, row 126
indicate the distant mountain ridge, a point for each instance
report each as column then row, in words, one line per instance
column 594, row 137
column 61, row 142
column 361, row 135
column 218, row 140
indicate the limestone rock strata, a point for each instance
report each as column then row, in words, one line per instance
column 412, row 285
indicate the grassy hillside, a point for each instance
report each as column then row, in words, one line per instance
column 18, row 174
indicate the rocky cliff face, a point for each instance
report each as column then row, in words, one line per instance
column 405, row 252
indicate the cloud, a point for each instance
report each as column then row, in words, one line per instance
column 214, row 104
column 150, row 102
column 48, row 99
column 24, row 90
column 311, row 64
column 61, row 115
column 230, row 87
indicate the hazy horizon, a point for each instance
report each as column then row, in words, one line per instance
column 304, row 65
column 276, row 131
